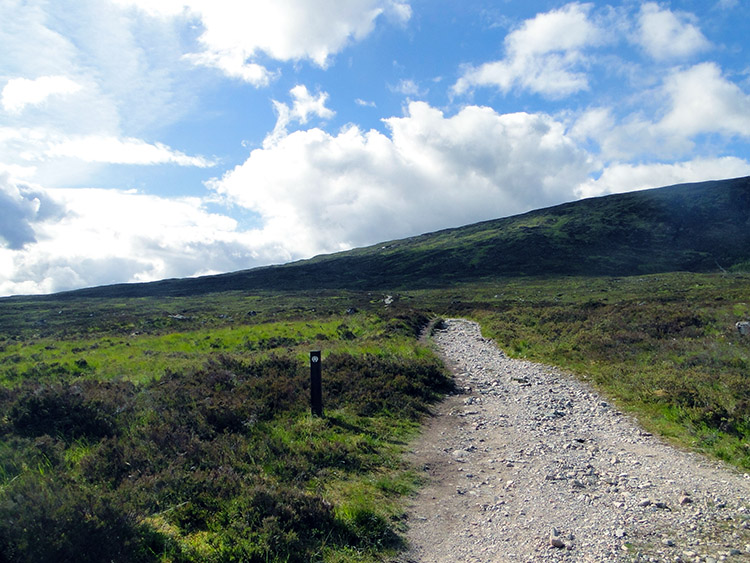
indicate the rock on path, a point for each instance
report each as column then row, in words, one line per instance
column 529, row 464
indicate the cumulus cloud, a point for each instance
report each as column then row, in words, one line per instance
column 68, row 238
column 545, row 55
column 21, row 92
column 688, row 103
column 628, row 177
column 237, row 36
column 304, row 106
column 234, row 64
column 703, row 101
column 628, row 137
column 665, row 34
column 21, row 207
column 317, row 192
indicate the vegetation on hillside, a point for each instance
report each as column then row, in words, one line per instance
column 216, row 457
column 700, row 227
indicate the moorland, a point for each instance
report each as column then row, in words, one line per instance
column 170, row 422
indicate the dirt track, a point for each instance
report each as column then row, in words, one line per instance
column 528, row 464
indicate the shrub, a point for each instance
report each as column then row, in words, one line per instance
column 61, row 410
column 409, row 323
column 368, row 529
column 274, row 523
column 48, row 518
column 372, row 384
column 219, row 457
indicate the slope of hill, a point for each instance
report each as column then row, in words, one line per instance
column 696, row 227
column 688, row 227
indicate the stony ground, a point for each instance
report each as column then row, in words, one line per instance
column 528, row 464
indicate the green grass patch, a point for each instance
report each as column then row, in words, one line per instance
column 141, row 356
column 196, row 444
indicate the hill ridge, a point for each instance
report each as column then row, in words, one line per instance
column 702, row 226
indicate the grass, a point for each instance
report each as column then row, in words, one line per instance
column 177, row 429
column 188, row 438
column 154, row 337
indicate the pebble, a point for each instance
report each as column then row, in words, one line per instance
column 547, row 452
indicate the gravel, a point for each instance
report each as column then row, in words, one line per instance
column 526, row 463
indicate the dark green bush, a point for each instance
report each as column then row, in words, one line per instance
column 61, row 410
column 49, row 518
column 409, row 323
column 372, row 384
column 369, row 529
column 274, row 523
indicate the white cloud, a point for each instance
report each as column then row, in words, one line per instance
column 237, row 36
column 21, row 206
column 234, row 65
column 37, row 154
column 318, row 192
column 69, row 238
column 31, row 47
column 105, row 78
column 304, row 106
column 365, row 103
column 703, row 101
column 690, row 102
column 409, row 88
column 17, row 171
column 627, row 177
column 623, row 138
column 95, row 148
column 668, row 35
column 21, row 92
column 126, row 67
column 545, row 55
column 159, row 8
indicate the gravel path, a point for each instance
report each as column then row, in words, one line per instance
column 528, row 464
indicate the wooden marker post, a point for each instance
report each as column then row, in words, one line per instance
column 316, row 384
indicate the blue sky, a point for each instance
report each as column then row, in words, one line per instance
column 147, row 139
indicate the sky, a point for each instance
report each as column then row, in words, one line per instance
column 151, row 139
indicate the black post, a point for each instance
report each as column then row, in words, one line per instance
column 316, row 384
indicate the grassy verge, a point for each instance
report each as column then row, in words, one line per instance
column 182, row 443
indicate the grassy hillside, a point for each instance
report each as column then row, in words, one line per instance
column 698, row 227
column 691, row 227
column 179, row 430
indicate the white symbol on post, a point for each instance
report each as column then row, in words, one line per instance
column 314, row 359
